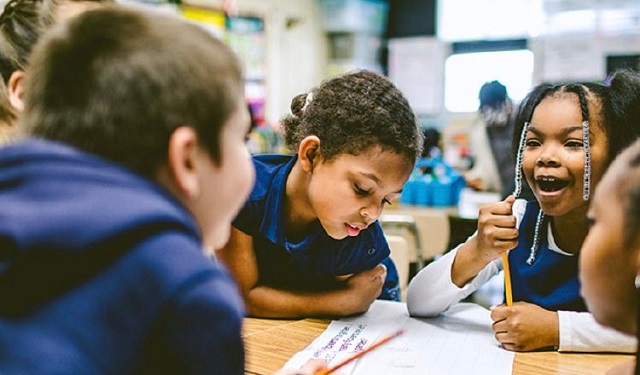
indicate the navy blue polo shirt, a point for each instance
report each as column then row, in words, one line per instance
column 313, row 262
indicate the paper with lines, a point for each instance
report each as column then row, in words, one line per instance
column 458, row 342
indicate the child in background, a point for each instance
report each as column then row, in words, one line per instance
column 20, row 29
column 307, row 242
column 22, row 22
column 568, row 134
column 610, row 255
column 142, row 165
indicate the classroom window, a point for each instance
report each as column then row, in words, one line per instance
column 488, row 19
column 466, row 72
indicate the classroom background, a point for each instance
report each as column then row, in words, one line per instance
column 439, row 53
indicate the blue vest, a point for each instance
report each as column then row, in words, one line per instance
column 551, row 281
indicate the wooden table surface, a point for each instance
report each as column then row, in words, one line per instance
column 270, row 343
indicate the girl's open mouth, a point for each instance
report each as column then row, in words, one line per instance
column 551, row 184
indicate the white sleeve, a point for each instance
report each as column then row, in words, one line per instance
column 432, row 291
column 580, row 332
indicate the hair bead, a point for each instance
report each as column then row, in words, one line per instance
column 536, row 238
column 518, row 173
column 586, row 188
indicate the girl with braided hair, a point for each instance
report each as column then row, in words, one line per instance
column 307, row 242
column 566, row 136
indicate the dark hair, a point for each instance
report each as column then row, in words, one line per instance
column 20, row 29
column 117, row 82
column 492, row 94
column 431, row 140
column 353, row 112
column 617, row 105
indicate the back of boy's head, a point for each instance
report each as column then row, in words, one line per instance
column 117, row 82
column 353, row 112
column 617, row 108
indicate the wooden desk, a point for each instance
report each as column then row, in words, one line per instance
column 270, row 343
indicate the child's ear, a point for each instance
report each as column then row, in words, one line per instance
column 15, row 88
column 182, row 161
column 309, row 152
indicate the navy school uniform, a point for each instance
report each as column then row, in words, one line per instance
column 551, row 281
column 313, row 262
column 102, row 272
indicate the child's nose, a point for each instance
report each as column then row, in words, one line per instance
column 371, row 212
column 548, row 157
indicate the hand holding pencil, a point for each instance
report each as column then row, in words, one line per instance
column 497, row 232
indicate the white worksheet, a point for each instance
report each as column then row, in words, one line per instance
column 460, row 341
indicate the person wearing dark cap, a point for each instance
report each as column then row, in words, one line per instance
column 491, row 140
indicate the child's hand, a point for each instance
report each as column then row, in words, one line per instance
column 497, row 230
column 525, row 326
column 363, row 288
column 310, row 368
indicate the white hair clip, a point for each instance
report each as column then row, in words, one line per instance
column 307, row 101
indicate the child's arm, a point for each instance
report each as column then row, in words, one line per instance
column 580, row 332
column 359, row 292
column 431, row 291
column 463, row 270
column 310, row 368
column 496, row 234
column 525, row 326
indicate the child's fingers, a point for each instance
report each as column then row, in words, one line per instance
column 380, row 271
column 499, row 208
column 315, row 365
column 510, row 200
column 501, row 234
column 498, row 313
column 501, row 221
column 498, row 227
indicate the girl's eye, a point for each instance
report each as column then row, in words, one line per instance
column 574, row 144
column 532, row 143
column 360, row 191
column 386, row 201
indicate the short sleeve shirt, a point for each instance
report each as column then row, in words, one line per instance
column 313, row 262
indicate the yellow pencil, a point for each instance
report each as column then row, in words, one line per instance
column 384, row 340
column 507, row 278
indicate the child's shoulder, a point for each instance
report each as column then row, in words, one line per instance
column 268, row 163
column 271, row 173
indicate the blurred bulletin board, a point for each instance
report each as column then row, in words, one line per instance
column 582, row 57
column 246, row 36
column 211, row 20
column 416, row 66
